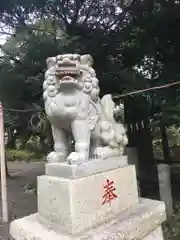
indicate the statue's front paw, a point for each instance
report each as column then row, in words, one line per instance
column 76, row 158
column 55, row 157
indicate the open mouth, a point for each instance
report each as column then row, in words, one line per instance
column 67, row 76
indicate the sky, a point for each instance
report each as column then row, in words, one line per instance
column 2, row 39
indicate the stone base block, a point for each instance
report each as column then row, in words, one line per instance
column 85, row 169
column 75, row 205
column 156, row 234
column 140, row 222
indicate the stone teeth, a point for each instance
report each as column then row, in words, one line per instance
column 66, row 73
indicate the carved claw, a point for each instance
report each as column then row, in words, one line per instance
column 76, row 158
column 98, row 153
column 55, row 157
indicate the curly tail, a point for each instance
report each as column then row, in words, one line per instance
column 108, row 108
column 113, row 134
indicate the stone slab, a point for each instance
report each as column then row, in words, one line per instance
column 85, row 169
column 140, row 222
column 75, row 205
column 156, row 234
column 164, row 175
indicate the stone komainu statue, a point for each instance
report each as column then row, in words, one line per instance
column 75, row 111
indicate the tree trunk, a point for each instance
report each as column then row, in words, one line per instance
column 139, row 136
column 165, row 144
column 12, row 142
column 44, row 146
column 25, row 137
column 7, row 172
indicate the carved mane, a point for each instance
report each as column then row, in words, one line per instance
column 89, row 81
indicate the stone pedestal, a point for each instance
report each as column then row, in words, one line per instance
column 90, row 204
column 75, row 205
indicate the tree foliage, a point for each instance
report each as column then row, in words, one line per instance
column 134, row 46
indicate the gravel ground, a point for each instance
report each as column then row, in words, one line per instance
column 21, row 202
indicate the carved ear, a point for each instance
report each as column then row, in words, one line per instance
column 87, row 60
column 51, row 61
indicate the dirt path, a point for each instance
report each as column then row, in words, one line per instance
column 20, row 201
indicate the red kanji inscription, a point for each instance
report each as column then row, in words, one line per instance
column 109, row 192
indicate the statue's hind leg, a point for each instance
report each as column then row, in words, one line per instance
column 61, row 146
column 105, row 152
